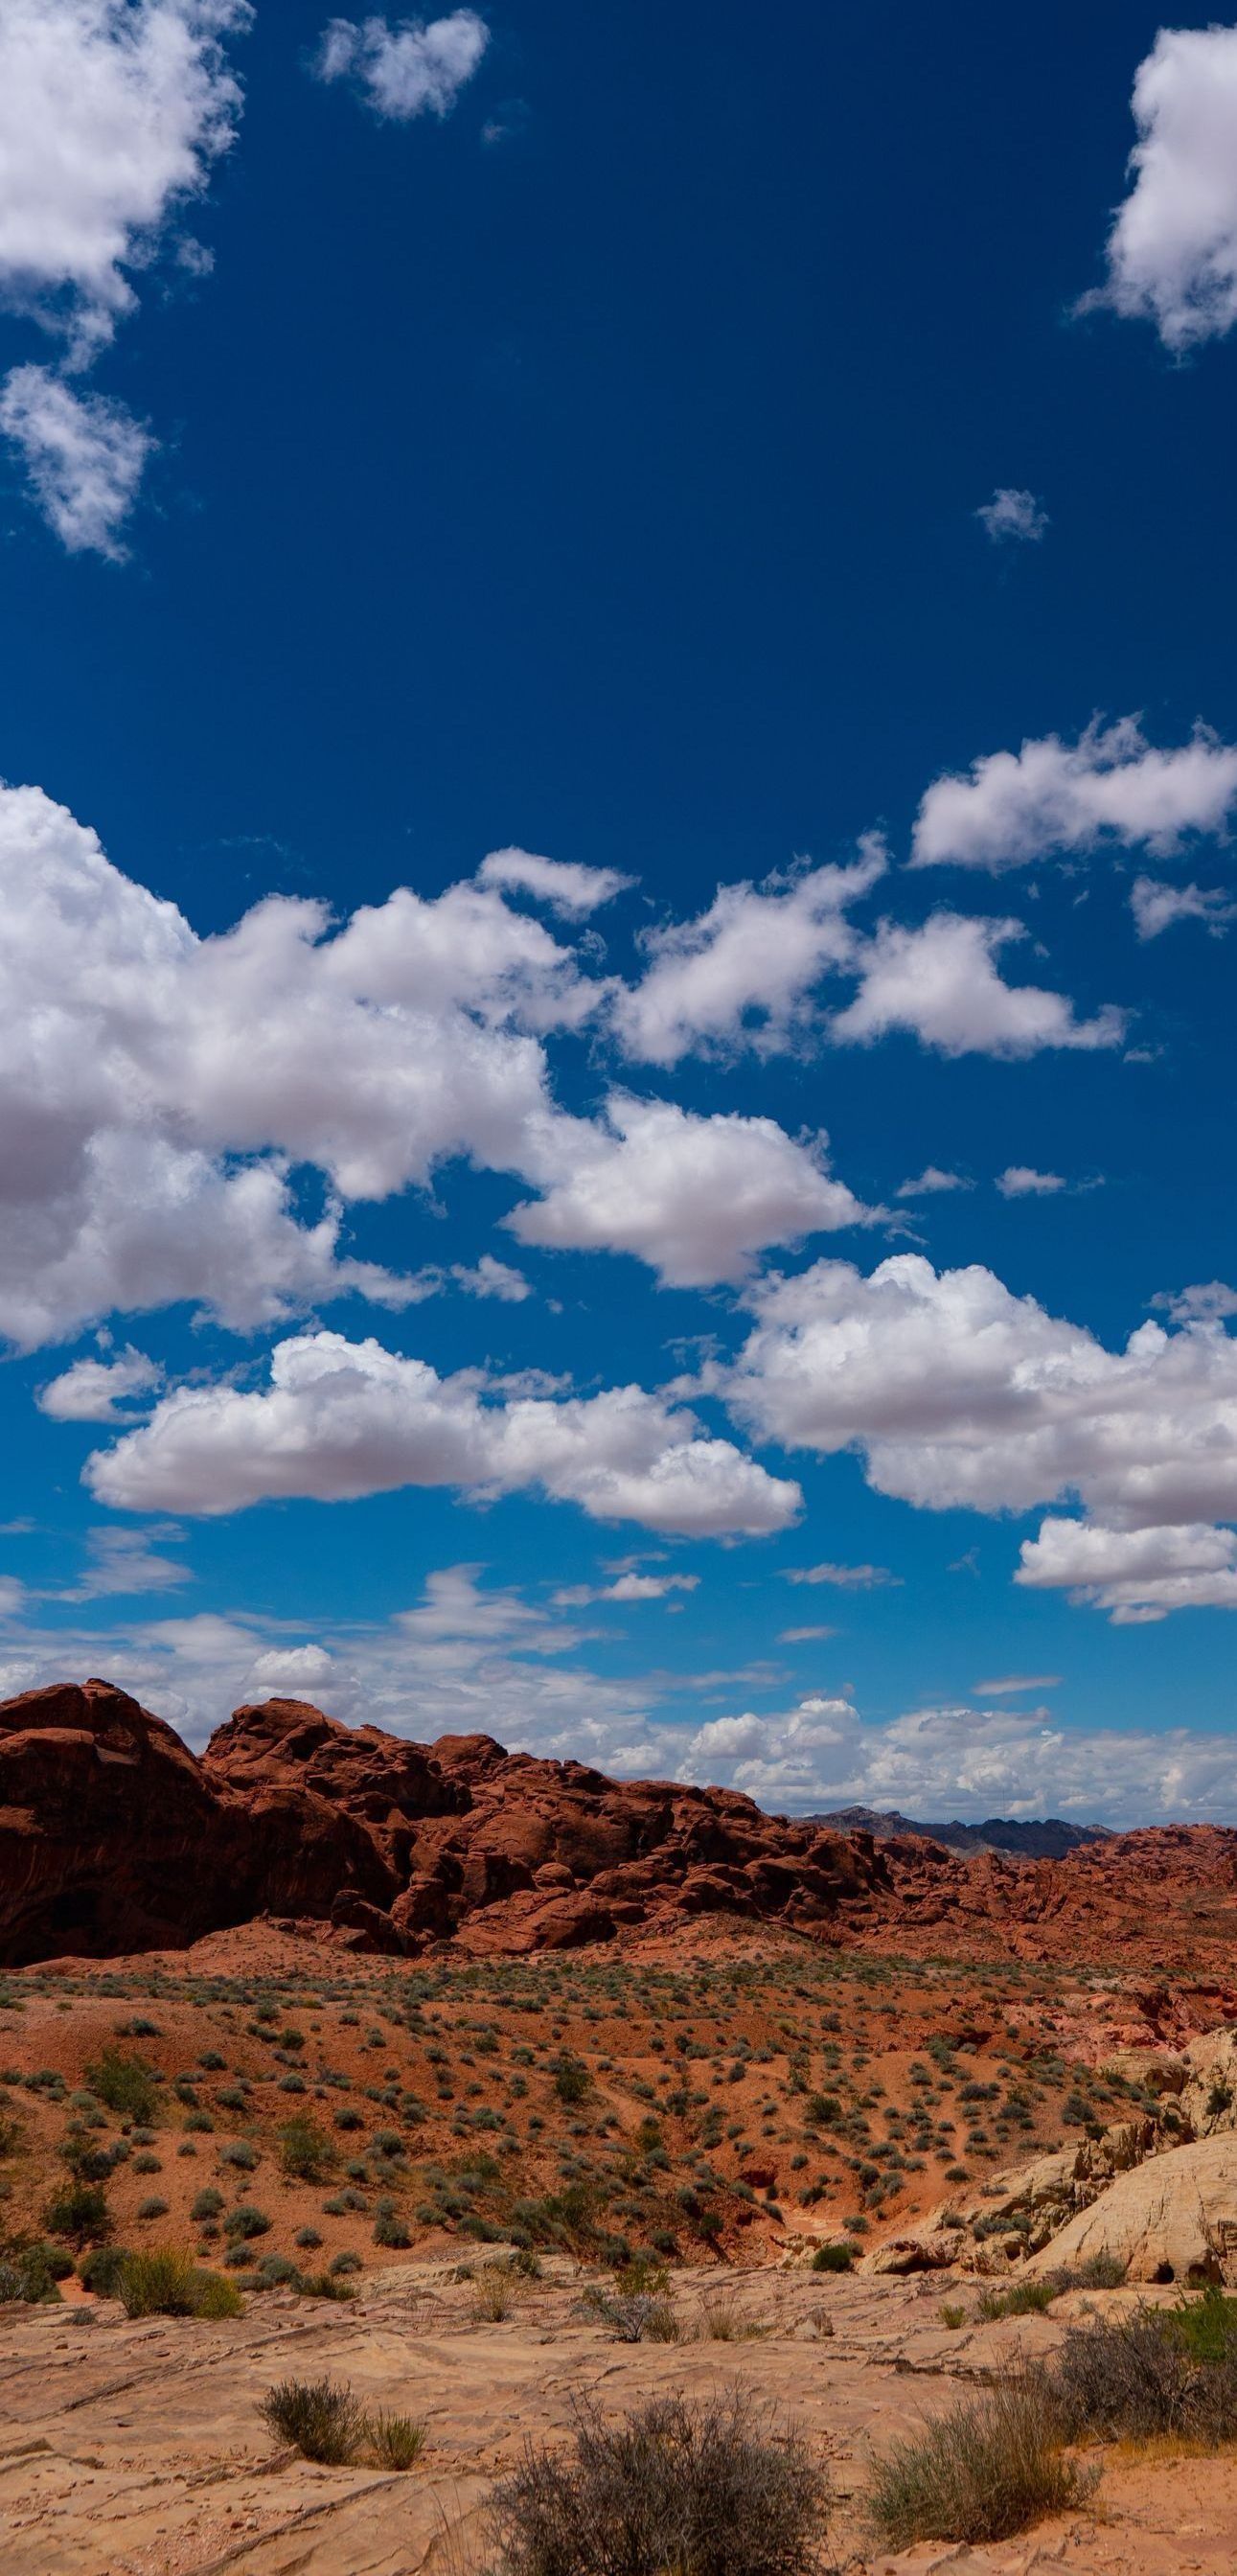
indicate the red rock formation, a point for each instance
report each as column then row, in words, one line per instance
column 114, row 1838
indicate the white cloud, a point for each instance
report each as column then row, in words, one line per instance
column 94, row 1390
column 341, row 1419
column 1172, row 251
column 696, row 1197
column 1014, row 1685
column 1022, row 1181
column 408, row 70
column 111, row 114
column 84, row 457
column 965, row 1762
column 564, row 884
column 1212, row 1303
column 12, row 1596
column 940, row 982
column 758, row 950
column 931, row 1183
column 803, row 1636
column 125, row 1561
column 1137, row 1574
column 1157, row 906
column 1013, row 517
column 846, row 1578
column 959, row 1394
column 626, row 1587
column 292, row 1672
column 491, row 1278
column 1110, row 786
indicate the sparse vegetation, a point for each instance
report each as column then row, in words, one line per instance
column 713, row 2489
column 397, row 2441
column 985, row 2468
column 321, row 2419
column 166, row 2283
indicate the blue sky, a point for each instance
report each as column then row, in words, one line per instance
column 781, row 479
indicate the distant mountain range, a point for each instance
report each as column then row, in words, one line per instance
column 1043, row 1838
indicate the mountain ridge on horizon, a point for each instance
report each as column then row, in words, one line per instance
column 1039, row 1838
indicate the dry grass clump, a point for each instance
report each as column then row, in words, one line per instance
column 321, row 2420
column 713, row 2489
column 1157, row 2371
column 634, row 2316
column 984, row 2469
column 326, row 2423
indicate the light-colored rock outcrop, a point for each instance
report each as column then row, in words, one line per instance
column 1173, row 2218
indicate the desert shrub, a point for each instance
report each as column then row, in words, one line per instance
column 240, row 2153
column 982, row 2470
column 324, row 2285
column 396, row 2440
column 81, row 2214
column 31, row 2273
column 1159, row 2370
column 245, row 2221
column 167, row 2283
column 308, row 2239
column 321, row 2420
column 86, row 2161
column 833, row 2258
column 100, row 2270
column 206, row 2204
column 496, row 2294
column 390, row 2230
column 152, row 2207
column 634, row 2316
column 146, row 2163
column 572, row 2081
column 712, row 2489
column 722, row 2320
column 124, row 2085
column 1022, row 2299
column 304, row 2149
column 952, row 2315
column 347, row 2261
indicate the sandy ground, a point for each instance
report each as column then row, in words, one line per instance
column 137, row 2449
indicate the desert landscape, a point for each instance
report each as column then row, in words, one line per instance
column 541, row 2092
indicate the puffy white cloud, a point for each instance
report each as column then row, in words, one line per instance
column 931, row 1183
column 1109, row 786
column 940, row 982
column 960, row 1761
column 341, row 1418
column 157, row 1091
column 696, row 1197
column 111, row 114
column 1137, row 1574
column 564, row 884
column 1213, row 1303
column 1022, row 1181
column 958, row 1393
column 95, row 1390
column 412, row 69
column 758, row 950
column 1172, row 251
column 84, row 457
column 491, row 1278
column 626, row 1587
column 1156, row 906
column 1013, row 517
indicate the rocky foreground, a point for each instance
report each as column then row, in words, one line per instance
column 115, row 1838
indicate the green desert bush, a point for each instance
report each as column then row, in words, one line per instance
column 984, row 2469
column 81, row 2214
column 304, row 2149
column 167, row 2283
column 1156, row 2370
column 125, row 2086
column 100, row 2270
column 321, row 2419
column 397, row 2441
column 834, row 2258
column 705, row 2489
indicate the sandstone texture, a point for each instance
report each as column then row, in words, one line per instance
column 1173, row 2218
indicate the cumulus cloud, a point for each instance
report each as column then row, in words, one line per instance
column 340, row 1419
column 931, row 1183
column 1109, row 786
column 956, row 1393
column 740, row 974
column 960, row 1761
column 696, row 1197
column 112, row 113
column 1139, row 1575
column 1212, row 1302
column 84, row 457
column 1022, row 1181
column 564, row 884
column 491, row 1278
column 95, row 1390
column 626, row 1587
column 940, row 982
column 412, row 69
column 1156, row 906
column 1013, row 517
column 1172, row 251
